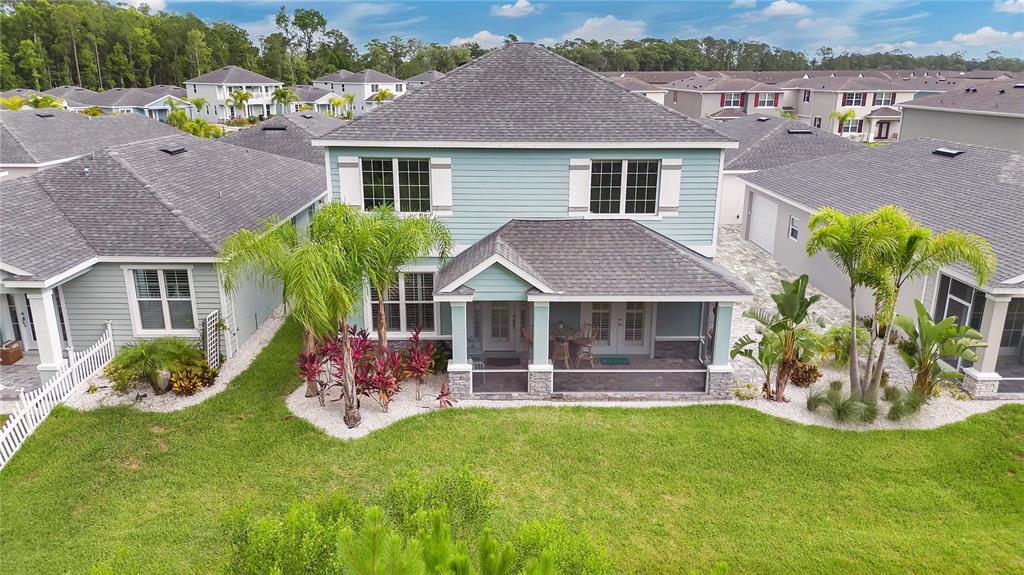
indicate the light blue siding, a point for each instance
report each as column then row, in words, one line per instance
column 497, row 283
column 490, row 187
column 723, row 328
column 252, row 304
column 678, row 319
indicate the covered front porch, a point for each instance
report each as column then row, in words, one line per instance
column 540, row 326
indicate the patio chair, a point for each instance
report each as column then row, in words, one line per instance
column 527, row 331
column 585, row 345
column 560, row 352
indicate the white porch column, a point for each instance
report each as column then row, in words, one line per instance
column 44, row 317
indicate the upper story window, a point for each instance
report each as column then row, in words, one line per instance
column 400, row 182
column 765, row 100
column 636, row 193
column 163, row 301
column 885, row 98
column 807, row 95
column 731, row 100
column 850, row 127
column 794, row 229
column 374, row 88
column 194, row 88
column 409, row 305
column 399, row 88
column 854, row 98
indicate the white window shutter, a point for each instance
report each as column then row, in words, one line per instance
column 349, row 180
column 441, row 186
column 579, row 185
column 668, row 196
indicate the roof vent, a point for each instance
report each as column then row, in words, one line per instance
column 273, row 128
column 87, row 171
column 799, row 130
column 173, row 150
column 762, row 119
column 1002, row 91
column 948, row 152
column 307, row 116
column 44, row 114
column 1018, row 85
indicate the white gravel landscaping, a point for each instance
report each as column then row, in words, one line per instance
column 143, row 397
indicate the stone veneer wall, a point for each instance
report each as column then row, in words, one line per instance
column 719, row 383
column 541, row 383
column 979, row 387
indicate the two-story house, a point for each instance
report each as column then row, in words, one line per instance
column 365, row 85
column 874, row 102
column 980, row 113
column 585, row 236
column 217, row 87
column 723, row 98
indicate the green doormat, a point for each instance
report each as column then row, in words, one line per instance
column 614, row 360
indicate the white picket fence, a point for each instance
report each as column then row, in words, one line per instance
column 34, row 406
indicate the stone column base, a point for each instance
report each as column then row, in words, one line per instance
column 460, row 380
column 719, row 381
column 541, row 380
column 980, row 385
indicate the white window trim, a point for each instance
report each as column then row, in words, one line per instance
column 854, row 124
column 395, row 185
column 862, row 96
column 621, row 214
column 403, row 332
column 891, row 96
column 133, row 302
column 793, row 233
column 769, row 99
column 807, row 96
column 728, row 98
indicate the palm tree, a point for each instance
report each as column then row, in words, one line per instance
column 917, row 253
column 396, row 241
column 282, row 97
column 45, row 101
column 383, row 95
column 238, row 98
column 350, row 103
column 199, row 102
column 842, row 117
column 336, row 103
column 854, row 244
column 13, row 103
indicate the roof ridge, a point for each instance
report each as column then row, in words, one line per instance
column 39, row 184
column 759, row 141
column 17, row 139
column 174, row 211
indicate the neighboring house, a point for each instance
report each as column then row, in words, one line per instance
column 314, row 99
column 130, row 235
column 642, row 88
column 25, row 93
column 34, row 139
column 723, row 98
column 945, row 186
column 983, row 114
column 598, row 218
column 767, row 142
column 364, row 85
column 72, row 95
column 217, row 86
column 420, row 80
column 288, row 135
column 155, row 102
column 815, row 100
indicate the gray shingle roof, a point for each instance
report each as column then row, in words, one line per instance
column 336, row 76
column 29, row 139
column 980, row 191
column 293, row 141
column 635, row 84
column 727, row 114
column 994, row 97
column 483, row 101
column 136, row 200
column 308, row 93
column 68, row 90
column 884, row 112
column 428, row 76
column 128, row 97
column 232, row 75
column 767, row 143
column 843, row 84
column 575, row 258
column 20, row 92
column 704, row 84
column 368, row 76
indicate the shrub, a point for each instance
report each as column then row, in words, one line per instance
column 744, row 392
column 147, row 359
column 841, row 407
column 441, row 356
column 192, row 379
column 122, row 378
column 904, row 404
column 836, row 344
column 572, row 551
column 805, row 374
column 92, row 111
column 462, row 497
column 890, row 392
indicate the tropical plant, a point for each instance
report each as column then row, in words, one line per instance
column 842, row 116
column 238, row 99
column 350, row 104
column 383, row 377
column 283, row 97
column 44, row 101
column 178, row 119
column 336, row 104
column 13, row 103
column 149, row 358
column 805, row 374
column 92, row 111
column 835, row 344
column 199, row 102
column 841, row 406
column 903, row 403
column 853, row 243
column 764, row 352
column 929, row 341
column 383, row 95
column 419, row 360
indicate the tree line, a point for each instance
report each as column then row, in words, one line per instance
column 98, row 45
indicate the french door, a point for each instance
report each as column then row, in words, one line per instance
column 883, row 131
column 621, row 327
column 501, row 325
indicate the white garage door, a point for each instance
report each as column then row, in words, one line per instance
column 763, row 213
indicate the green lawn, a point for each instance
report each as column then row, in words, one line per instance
column 664, row 490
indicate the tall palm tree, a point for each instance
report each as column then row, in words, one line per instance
column 350, row 103
column 853, row 243
column 238, row 99
column 383, row 95
column 199, row 102
column 395, row 242
column 283, row 97
column 917, row 252
column 842, row 117
column 336, row 103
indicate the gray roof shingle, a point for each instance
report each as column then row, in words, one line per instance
column 575, row 258
column 336, row 76
column 129, row 97
column 428, row 76
column 994, row 97
column 232, row 75
column 483, row 101
column 368, row 76
column 30, row 139
column 308, row 93
column 288, row 135
column 136, row 200
column 884, row 112
column 765, row 142
column 980, row 191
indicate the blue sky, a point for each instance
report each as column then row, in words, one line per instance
column 920, row 28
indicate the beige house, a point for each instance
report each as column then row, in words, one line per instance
column 984, row 114
column 874, row 102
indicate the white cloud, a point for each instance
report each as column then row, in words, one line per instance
column 743, row 3
column 484, row 38
column 608, row 28
column 1011, row 6
column 547, row 41
column 519, row 9
column 154, row 5
column 987, row 36
column 786, row 8
column 825, row 27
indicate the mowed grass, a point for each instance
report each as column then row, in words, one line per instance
column 663, row 490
